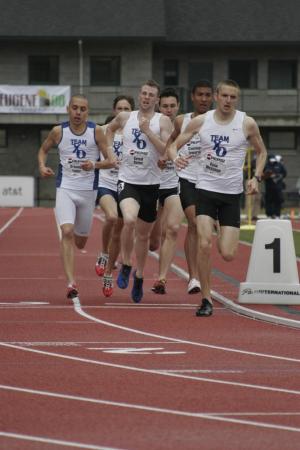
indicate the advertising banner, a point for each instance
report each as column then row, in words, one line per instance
column 16, row 191
column 34, row 99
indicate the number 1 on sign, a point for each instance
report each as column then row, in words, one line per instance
column 275, row 246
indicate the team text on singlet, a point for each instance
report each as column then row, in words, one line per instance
column 73, row 151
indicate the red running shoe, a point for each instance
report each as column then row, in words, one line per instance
column 101, row 264
column 107, row 285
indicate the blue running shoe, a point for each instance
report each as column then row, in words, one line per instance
column 137, row 289
column 123, row 276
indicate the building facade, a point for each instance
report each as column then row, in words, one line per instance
column 102, row 49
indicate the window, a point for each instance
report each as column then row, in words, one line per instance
column 43, row 70
column 3, row 138
column 244, row 73
column 105, row 70
column 282, row 140
column 283, row 74
column 171, row 72
column 199, row 70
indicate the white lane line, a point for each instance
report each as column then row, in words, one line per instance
column 11, row 220
column 237, row 308
column 27, row 437
column 154, row 372
column 220, row 417
column 79, row 310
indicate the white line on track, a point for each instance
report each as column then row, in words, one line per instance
column 26, row 437
column 11, row 220
column 154, row 372
column 220, row 417
column 79, row 310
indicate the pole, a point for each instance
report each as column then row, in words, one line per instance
column 80, row 54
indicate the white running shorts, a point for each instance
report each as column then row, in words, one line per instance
column 75, row 207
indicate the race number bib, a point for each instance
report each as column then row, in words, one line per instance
column 214, row 165
column 74, row 165
column 138, row 159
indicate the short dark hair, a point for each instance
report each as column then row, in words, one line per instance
column 82, row 96
column 200, row 84
column 169, row 92
column 128, row 98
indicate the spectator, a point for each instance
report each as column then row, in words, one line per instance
column 274, row 174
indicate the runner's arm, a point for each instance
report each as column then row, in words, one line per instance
column 51, row 141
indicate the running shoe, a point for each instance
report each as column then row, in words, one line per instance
column 193, row 286
column 72, row 291
column 137, row 289
column 107, row 285
column 123, row 276
column 205, row 309
column 101, row 264
column 159, row 286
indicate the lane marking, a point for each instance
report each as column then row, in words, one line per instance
column 11, row 220
column 136, row 351
column 23, row 303
column 153, row 372
column 27, row 437
column 208, row 416
column 81, row 312
column 237, row 308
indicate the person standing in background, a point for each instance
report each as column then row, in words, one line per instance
column 274, row 174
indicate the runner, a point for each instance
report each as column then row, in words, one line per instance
column 202, row 97
column 145, row 133
column 79, row 143
column 225, row 135
column 107, row 191
column 170, row 213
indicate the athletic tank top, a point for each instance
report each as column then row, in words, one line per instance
column 139, row 161
column 192, row 149
column 223, row 154
column 168, row 176
column 108, row 178
column 73, row 150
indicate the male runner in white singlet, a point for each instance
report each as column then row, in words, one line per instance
column 225, row 134
column 107, row 194
column 79, row 143
column 201, row 97
column 145, row 134
column 170, row 213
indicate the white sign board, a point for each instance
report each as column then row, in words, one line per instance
column 34, row 99
column 16, row 191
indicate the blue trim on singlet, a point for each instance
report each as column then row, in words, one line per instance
column 59, row 176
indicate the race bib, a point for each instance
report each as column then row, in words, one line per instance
column 214, row 165
column 138, row 159
column 74, row 165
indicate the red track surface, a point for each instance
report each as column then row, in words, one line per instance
column 111, row 374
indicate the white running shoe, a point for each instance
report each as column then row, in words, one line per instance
column 194, row 286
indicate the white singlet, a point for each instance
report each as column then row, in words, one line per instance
column 74, row 149
column 108, row 178
column 192, row 149
column 223, row 154
column 139, row 162
column 168, row 177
